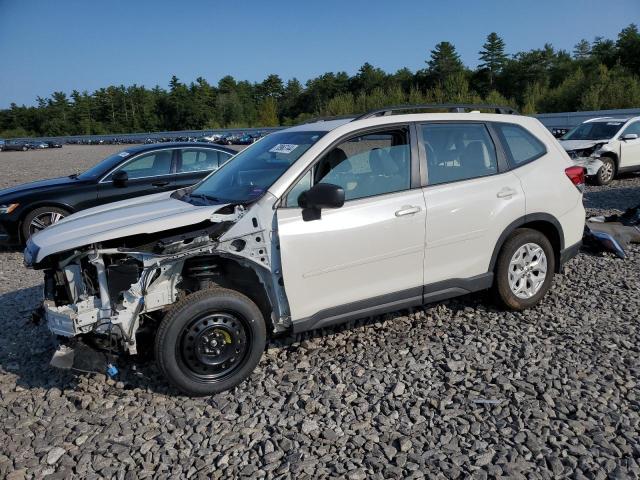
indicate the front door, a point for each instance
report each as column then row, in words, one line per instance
column 630, row 149
column 148, row 173
column 370, row 251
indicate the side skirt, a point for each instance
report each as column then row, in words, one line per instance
column 392, row 302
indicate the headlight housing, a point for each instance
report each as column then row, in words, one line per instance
column 8, row 208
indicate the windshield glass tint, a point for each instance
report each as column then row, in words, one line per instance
column 104, row 166
column 251, row 172
column 594, row 131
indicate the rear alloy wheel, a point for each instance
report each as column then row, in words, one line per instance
column 210, row 341
column 41, row 218
column 607, row 172
column 524, row 270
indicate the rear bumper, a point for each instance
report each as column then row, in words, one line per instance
column 568, row 253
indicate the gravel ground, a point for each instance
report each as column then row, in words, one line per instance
column 453, row 390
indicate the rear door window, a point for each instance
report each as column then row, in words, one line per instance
column 458, row 151
column 198, row 160
column 522, row 146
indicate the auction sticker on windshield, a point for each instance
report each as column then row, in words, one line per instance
column 285, row 148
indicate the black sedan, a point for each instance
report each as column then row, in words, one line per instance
column 136, row 171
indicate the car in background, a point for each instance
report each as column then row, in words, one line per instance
column 605, row 146
column 53, row 144
column 229, row 139
column 246, row 139
column 136, row 171
column 38, row 145
column 1, row 144
column 16, row 145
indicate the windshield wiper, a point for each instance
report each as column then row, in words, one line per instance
column 73, row 176
column 204, row 196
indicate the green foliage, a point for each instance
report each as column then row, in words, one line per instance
column 597, row 75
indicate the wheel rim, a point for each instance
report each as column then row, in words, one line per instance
column 527, row 270
column 606, row 171
column 42, row 221
column 214, row 346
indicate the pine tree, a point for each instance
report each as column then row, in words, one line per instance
column 444, row 61
column 492, row 56
column 582, row 50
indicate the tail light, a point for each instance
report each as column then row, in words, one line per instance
column 576, row 175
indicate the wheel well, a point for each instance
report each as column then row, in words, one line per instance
column 550, row 231
column 207, row 270
column 543, row 223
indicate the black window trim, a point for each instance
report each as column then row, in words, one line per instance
column 512, row 163
column 415, row 167
column 501, row 157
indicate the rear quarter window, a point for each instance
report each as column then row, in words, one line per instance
column 522, row 147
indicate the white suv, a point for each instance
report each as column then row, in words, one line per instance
column 312, row 226
column 605, row 147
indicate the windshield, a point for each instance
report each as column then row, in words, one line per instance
column 594, row 131
column 251, row 172
column 104, row 166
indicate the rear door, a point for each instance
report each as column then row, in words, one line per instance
column 148, row 173
column 470, row 197
column 367, row 253
column 195, row 163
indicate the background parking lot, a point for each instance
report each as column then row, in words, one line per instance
column 457, row 388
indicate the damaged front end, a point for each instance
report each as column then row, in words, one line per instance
column 590, row 157
column 110, row 294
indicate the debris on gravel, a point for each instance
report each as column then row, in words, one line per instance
column 456, row 389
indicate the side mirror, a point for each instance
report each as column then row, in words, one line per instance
column 629, row 136
column 322, row 195
column 120, row 179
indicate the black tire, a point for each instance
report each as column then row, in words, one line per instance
column 25, row 227
column 186, row 348
column 606, row 173
column 502, row 286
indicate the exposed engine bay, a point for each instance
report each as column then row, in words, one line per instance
column 110, row 292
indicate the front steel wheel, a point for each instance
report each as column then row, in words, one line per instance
column 210, row 341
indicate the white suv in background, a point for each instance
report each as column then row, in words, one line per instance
column 312, row 226
column 605, row 146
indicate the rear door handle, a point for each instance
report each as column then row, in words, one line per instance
column 407, row 210
column 160, row 183
column 506, row 192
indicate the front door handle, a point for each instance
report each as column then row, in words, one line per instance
column 160, row 183
column 506, row 192
column 407, row 210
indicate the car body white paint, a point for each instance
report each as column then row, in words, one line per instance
column 367, row 248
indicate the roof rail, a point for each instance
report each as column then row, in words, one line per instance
column 327, row 119
column 451, row 107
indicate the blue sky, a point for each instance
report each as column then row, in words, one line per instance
column 48, row 45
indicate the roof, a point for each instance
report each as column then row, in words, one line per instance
column 609, row 119
column 152, row 146
column 320, row 126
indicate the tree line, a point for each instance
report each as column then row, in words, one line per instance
column 596, row 75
